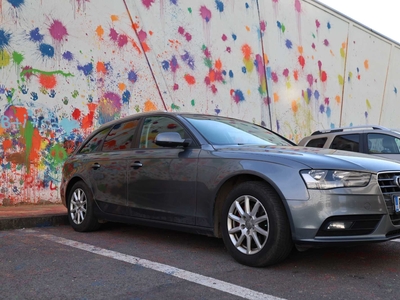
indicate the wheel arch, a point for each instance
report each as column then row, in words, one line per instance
column 70, row 184
column 228, row 185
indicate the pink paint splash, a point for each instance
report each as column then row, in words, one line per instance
column 122, row 40
column 310, row 79
column 317, row 23
column 205, row 13
column 181, row 30
column 58, row 31
column 297, row 5
column 142, row 35
column 113, row 35
column 263, row 26
column 326, row 42
column 286, row 72
column 274, row 77
column 224, row 37
column 147, row 3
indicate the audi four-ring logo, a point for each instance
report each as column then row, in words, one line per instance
column 396, row 179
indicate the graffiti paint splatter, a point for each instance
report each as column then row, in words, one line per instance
column 205, row 13
column 58, row 31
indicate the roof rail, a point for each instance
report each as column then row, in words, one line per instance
column 349, row 128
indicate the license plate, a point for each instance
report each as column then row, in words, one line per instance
column 396, row 204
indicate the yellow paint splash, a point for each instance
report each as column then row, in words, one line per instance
column 288, row 85
column 4, row 58
column 368, row 104
column 340, row 78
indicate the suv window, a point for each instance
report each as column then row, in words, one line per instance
column 382, row 143
column 347, row 142
column 95, row 142
column 155, row 125
column 317, row 143
column 121, row 136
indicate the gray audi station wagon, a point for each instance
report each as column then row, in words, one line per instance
column 230, row 179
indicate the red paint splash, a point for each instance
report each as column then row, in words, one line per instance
column 190, row 79
column 76, row 114
column 147, row 3
column 324, row 76
column 302, row 61
column 47, row 81
column 87, row 121
column 58, row 31
column 27, row 74
column 7, row 144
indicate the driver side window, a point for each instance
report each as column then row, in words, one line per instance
column 155, row 125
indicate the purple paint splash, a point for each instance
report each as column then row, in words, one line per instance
column 86, row 69
column 68, row 55
column 174, row 64
column 188, row 59
column 35, row 36
column 132, row 76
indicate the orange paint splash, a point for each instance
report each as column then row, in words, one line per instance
column 295, row 107
column 218, row 64
column 101, row 68
column 247, row 28
column 146, row 47
column 366, row 64
column 21, row 114
column 149, row 106
column 36, row 142
column 246, row 50
column 114, row 18
column 190, row 79
column 136, row 47
column 122, row 86
column 47, row 81
column 296, row 75
column 7, row 144
column 276, row 97
column 338, row 99
column 100, row 31
column 300, row 49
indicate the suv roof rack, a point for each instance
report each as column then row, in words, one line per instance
column 341, row 129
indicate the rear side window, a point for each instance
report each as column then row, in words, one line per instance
column 347, row 142
column 95, row 142
column 316, row 143
column 121, row 136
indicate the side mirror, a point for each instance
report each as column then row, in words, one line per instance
column 171, row 139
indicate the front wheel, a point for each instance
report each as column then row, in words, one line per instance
column 80, row 209
column 255, row 227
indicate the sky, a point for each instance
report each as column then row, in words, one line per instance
column 382, row 16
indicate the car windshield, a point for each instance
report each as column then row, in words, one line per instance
column 226, row 131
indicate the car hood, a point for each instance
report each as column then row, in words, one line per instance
column 315, row 158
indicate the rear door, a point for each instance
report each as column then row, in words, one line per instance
column 162, row 180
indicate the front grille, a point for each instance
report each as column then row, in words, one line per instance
column 389, row 188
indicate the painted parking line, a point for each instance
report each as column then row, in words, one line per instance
column 166, row 269
column 396, row 240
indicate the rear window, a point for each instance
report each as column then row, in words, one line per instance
column 316, row 143
column 347, row 142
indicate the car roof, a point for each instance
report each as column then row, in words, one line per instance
column 361, row 128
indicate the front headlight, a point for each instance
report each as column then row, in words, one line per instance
column 330, row 179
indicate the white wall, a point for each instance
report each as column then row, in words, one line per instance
column 68, row 66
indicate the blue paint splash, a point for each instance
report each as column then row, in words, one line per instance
column 35, row 36
column 231, row 74
column 68, row 55
column 321, row 108
column 174, row 2
column 126, row 96
column 132, row 76
column 234, row 36
column 328, row 112
column 395, row 90
column 4, row 39
column 289, row 44
column 46, row 50
column 220, row 5
column 238, row 96
column 86, row 69
column 165, row 65
column 316, row 95
column 189, row 60
column 16, row 3
column 328, row 25
column 244, row 70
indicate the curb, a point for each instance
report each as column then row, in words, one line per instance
column 28, row 222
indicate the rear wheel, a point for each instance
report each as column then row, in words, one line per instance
column 80, row 208
column 255, row 228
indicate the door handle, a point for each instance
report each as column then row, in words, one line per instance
column 136, row 165
column 96, row 166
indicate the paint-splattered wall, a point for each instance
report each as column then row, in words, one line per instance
column 68, row 66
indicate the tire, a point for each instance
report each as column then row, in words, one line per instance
column 255, row 227
column 81, row 210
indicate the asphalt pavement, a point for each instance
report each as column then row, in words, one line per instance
column 32, row 215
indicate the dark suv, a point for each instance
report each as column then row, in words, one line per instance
column 371, row 139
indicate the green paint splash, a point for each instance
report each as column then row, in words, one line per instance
column 189, row 9
column 36, row 71
column 193, row 103
column 58, row 154
column 175, row 107
column 17, row 57
column 28, row 135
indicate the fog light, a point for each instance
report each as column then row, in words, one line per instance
column 339, row 225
